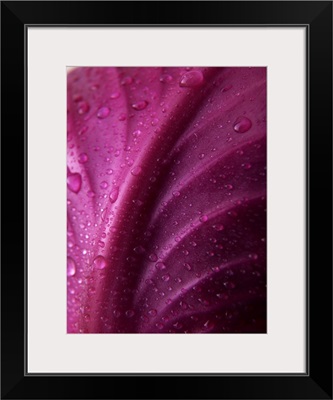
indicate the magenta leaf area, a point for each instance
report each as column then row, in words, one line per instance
column 166, row 179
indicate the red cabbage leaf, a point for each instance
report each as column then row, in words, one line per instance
column 166, row 177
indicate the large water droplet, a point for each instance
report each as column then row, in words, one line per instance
column 191, row 79
column 129, row 313
column 160, row 266
column 114, row 195
column 136, row 171
column 242, row 125
column 139, row 249
column 152, row 312
column 99, row 262
column 83, row 158
column 83, row 107
column 114, row 95
column 166, row 277
column 71, row 267
column 74, row 182
column 153, row 257
column 104, row 185
column 140, row 105
column 103, row 112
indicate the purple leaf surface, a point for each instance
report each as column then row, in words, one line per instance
column 166, row 177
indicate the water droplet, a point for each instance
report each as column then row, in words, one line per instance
column 253, row 256
column 152, row 312
column 187, row 266
column 99, row 262
column 191, row 79
column 136, row 133
column 136, row 171
column 77, row 97
column 176, row 194
column 71, row 267
column 114, row 95
column 204, row 302
column 103, row 112
column 229, row 285
column 104, row 185
column 114, row 195
column 218, row 228
column 166, row 78
column 160, row 266
column 204, row 218
column 208, row 325
column 159, row 325
column 247, row 166
column 153, row 257
column 183, row 305
column 242, row 125
column 109, row 171
column 166, row 277
column 129, row 313
column 83, row 130
column 140, row 105
column 83, row 158
column 91, row 194
column 94, row 87
column 74, row 182
column 201, row 156
column 127, row 80
column 144, row 318
column 83, row 107
column 139, row 250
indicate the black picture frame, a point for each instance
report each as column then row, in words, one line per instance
column 316, row 383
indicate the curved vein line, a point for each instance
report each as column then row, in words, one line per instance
column 204, row 168
column 169, row 252
column 195, row 281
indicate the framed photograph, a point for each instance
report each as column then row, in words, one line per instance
column 175, row 164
